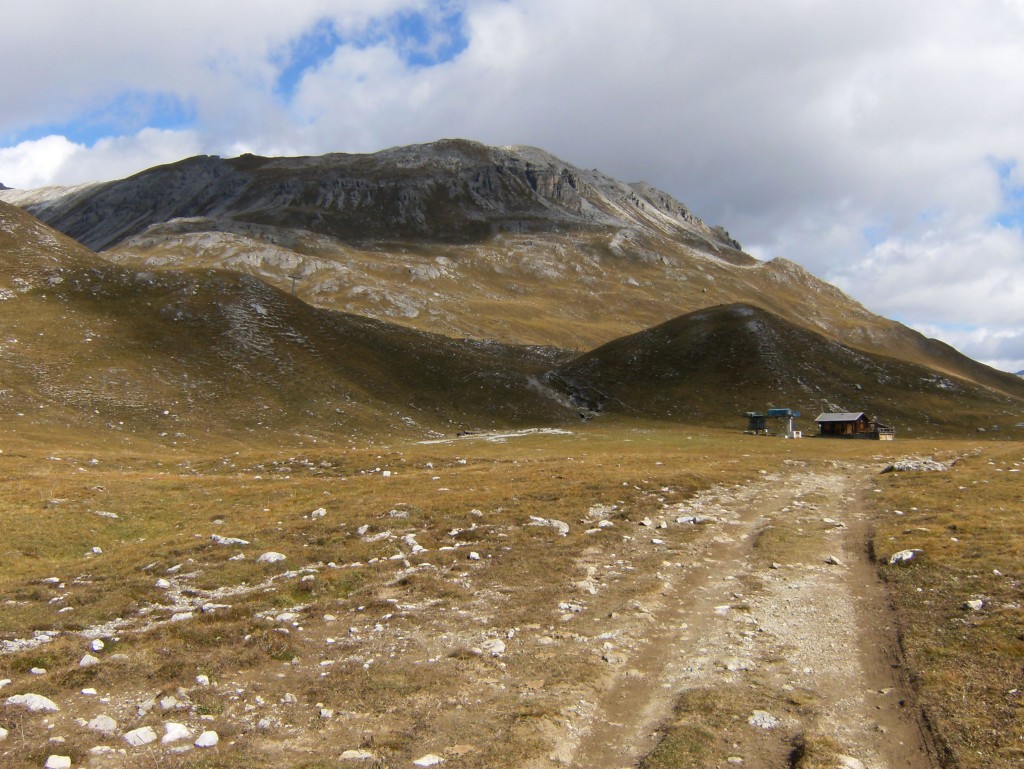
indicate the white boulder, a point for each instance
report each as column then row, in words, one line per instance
column 102, row 724
column 34, row 702
column 174, row 731
column 141, row 736
column 207, row 739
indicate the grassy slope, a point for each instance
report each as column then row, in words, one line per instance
column 965, row 663
column 716, row 364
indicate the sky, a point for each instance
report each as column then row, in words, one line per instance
column 879, row 144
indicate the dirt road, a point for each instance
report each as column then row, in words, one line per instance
column 779, row 622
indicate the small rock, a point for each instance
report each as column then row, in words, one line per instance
column 849, row 762
column 762, row 719
column 903, row 556
column 170, row 702
column 174, row 731
column 141, row 736
column 228, row 540
column 3, row 734
column 97, row 645
column 207, row 739
column 776, row 566
column 494, row 646
column 88, row 661
column 428, row 760
column 473, row 555
column 37, row 671
column 326, row 713
column 103, row 724
column 33, row 702
column 202, row 679
column 560, row 526
column 163, row 584
column 89, row 692
column 271, row 557
column 58, row 762
column 975, row 604
column 318, row 513
column 833, row 561
column 357, row 755
column 735, row 760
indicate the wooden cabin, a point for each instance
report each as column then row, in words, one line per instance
column 846, row 424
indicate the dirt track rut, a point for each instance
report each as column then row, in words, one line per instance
column 780, row 600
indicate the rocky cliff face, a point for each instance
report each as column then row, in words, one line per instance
column 450, row 191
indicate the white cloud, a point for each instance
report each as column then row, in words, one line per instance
column 863, row 140
column 35, row 163
column 55, row 159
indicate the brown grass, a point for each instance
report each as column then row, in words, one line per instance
column 965, row 664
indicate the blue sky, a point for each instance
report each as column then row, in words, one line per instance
column 877, row 144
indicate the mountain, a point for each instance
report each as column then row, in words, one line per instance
column 447, row 278
column 711, row 365
column 454, row 237
column 91, row 345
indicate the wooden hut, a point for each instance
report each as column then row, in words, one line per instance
column 848, row 424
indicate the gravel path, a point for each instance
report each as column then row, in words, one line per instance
column 812, row 632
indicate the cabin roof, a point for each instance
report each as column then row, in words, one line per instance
column 840, row 416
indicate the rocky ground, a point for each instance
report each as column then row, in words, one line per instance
column 750, row 612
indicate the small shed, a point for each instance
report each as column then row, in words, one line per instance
column 757, row 422
column 849, row 424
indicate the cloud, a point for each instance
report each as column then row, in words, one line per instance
column 55, row 159
column 876, row 143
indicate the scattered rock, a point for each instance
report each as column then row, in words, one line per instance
column 97, row 645
column 3, row 734
column 903, row 556
column 163, row 584
column 228, row 540
column 762, row 719
column 833, row 561
column 202, row 679
column 560, row 526
column 141, row 736
column 33, row 702
column 173, row 732
column 207, row 739
column 494, row 646
column 975, row 604
column 102, row 724
column 473, row 555
column 88, row 661
column 916, row 464
column 849, row 762
column 37, row 671
column 357, row 755
column 429, row 760
column 271, row 557
column 318, row 513
column 58, row 762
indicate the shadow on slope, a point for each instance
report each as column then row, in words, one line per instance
column 179, row 354
column 713, row 365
